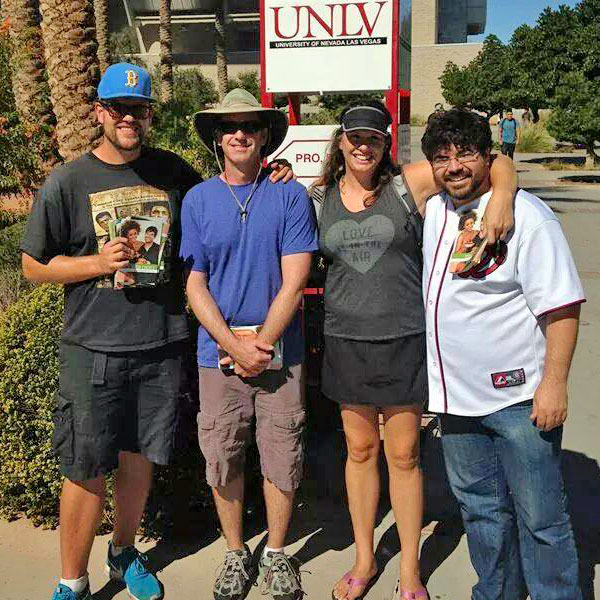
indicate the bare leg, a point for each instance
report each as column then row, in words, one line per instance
column 81, row 505
column 229, row 500
column 401, row 445
column 279, row 512
column 362, row 482
column 132, row 486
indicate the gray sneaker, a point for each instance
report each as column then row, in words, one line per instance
column 280, row 576
column 236, row 575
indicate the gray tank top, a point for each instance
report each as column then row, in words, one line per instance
column 373, row 284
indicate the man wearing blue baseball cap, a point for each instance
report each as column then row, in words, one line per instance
column 122, row 350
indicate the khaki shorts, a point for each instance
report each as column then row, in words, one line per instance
column 228, row 405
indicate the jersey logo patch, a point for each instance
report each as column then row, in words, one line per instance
column 506, row 379
column 493, row 258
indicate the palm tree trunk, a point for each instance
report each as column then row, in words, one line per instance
column 70, row 46
column 101, row 14
column 221, row 48
column 29, row 83
column 166, row 52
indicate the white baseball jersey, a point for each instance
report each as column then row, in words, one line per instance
column 485, row 328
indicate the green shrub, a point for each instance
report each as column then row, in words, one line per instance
column 10, row 217
column 323, row 117
column 337, row 102
column 418, row 120
column 172, row 127
column 29, row 335
column 12, row 283
column 535, row 138
column 247, row 80
column 30, row 480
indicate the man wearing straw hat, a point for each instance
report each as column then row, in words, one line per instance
column 248, row 245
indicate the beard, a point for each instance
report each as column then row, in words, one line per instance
column 469, row 192
column 130, row 144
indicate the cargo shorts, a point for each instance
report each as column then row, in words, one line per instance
column 108, row 403
column 228, row 407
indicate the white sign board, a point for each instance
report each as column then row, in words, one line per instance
column 305, row 147
column 327, row 45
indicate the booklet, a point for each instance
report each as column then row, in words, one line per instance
column 144, row 238
column 251, row 332
column 469, row 245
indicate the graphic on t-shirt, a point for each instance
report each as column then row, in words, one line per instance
column 361, row 245
column 143, row 236
column 133, row 202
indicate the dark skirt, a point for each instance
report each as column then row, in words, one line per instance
column 376, row 373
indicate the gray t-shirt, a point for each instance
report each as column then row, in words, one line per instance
column 61, row 223
column 373, row 284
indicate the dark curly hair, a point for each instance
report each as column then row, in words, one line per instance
column 465, row 129
column 129, row 226
column 466, row 217
column 334, row 166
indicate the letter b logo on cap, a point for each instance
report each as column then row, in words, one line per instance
column 132, row 78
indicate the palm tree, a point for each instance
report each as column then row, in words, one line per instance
column 72, row 65
column 166, row 52
column 29, row 83
column 101, row 13
column 221, row 47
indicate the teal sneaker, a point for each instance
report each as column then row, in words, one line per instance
column 130, row 568
column 63, row 592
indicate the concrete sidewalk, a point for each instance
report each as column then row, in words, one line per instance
column 321, row 533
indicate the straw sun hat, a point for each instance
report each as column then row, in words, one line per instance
column 241, row 101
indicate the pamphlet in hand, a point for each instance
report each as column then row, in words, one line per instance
column 143, row 236
column 251, row 332
column 469, row 245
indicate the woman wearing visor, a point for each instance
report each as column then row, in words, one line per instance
column 370, row 226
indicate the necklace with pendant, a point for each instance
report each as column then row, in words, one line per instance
column 244, row 207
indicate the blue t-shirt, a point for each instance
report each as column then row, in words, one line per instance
column 242, row 261
column 509, row 130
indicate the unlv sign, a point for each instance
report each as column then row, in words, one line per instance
column 325, row 46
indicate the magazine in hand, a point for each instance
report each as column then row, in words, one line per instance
column 140, row 201
column 144, row 235
column 252, row 331
column 469, row 245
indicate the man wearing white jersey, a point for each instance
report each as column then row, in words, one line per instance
column 500, row 340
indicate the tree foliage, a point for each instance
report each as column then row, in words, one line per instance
column 484, row 82
column 555, row 64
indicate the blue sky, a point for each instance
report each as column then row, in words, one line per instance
column 504, row 16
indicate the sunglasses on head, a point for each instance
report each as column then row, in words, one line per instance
column 119, row 110
column 230, row 127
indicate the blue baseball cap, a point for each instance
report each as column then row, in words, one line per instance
column 124, row 80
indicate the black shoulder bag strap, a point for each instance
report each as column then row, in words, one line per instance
column 414, row 220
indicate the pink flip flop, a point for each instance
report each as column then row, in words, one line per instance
column 355, row 582
column 400, row 595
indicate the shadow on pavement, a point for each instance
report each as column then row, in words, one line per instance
column 560, row 158
column 321, row 513
column 582, row 482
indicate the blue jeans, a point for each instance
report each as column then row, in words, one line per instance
column 505, row 474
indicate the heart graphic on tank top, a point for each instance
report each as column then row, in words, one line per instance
column 361, row 245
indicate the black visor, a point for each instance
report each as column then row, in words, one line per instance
column 366, row 117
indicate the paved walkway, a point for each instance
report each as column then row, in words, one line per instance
column 321, row 534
